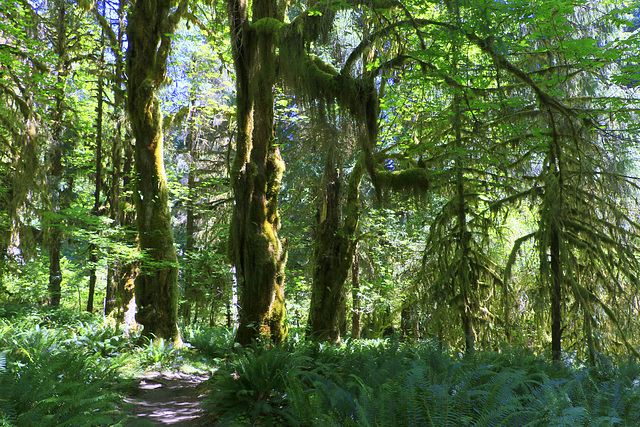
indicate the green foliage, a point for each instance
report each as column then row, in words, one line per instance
column 57, row 374
column 384, row 382
column 157, row 353
column 253, row 386
column 210, row 342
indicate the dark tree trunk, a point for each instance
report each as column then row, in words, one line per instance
column 56, row 169
column 120, row 275
column 331, row 267
column 556, row 298
column 553, row 206
column 356, row 319
column 5, row 228
column 150, row 26
column 93, row 249
column 409, row 321
column 55, row 273
column 189, row 291
column 466, row 279
column 255, row 249
column 333, row 254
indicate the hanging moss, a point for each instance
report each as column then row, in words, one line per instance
column 267, row 26
column 410, row 179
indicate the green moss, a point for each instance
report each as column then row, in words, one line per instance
column 410, row 179
column 267, row 26
column 277, row 326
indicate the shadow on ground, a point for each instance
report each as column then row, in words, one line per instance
column 168, row 398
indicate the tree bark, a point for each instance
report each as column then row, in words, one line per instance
column 356, row 319
column 149, row 35
column 93, row 249
column 333, row 255
column 255, row 249
column 56, row 169
column 556, row 298
column 120, row 273
column 466, row 279
column 189, row 291
column 553, row 206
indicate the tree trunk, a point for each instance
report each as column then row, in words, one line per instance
column 120, row 274
column 467, row 282
column 56, row 170
column 93, row 249
column 553, row 201
column 466, row 278
column 556, row 299
column 333, row 255
column 255, row 249
column 5, row 227
column 55, row 272
column 149, row 35
column 356, row 319
column 189, row 291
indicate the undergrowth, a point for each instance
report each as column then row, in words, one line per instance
column 53, row 370
column 60, row 368
column 57, row 368
column 384, row 382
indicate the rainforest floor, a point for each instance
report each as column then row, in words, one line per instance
column 167, row 398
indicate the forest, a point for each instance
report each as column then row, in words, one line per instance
column 320, row 212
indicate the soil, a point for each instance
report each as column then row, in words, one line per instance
column 168, row 398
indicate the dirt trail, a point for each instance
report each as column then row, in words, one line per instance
column 168, row 398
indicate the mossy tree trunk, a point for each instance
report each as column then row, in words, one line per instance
column 6, row 196
column 255, row 249
column 463, row 240
column 150, row 26
column 356, row 316
column 467, row 282
column 335, row 245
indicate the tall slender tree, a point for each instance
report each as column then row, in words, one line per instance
column 55, row 175
column 93, row 249
column 24, row 75
column 121, row 270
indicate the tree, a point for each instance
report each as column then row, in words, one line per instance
column 58, row 196
column 335, row 246
column 583, row 231
column 93, row 249
column 149, row 30
column 255, row 249
column 122, row 267
column 23, row 82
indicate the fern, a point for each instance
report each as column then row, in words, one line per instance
column 210, row 342
column 254, row 385
column 380, row 383
column 50, row 377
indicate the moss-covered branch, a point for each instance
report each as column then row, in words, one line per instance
column 410, row 179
